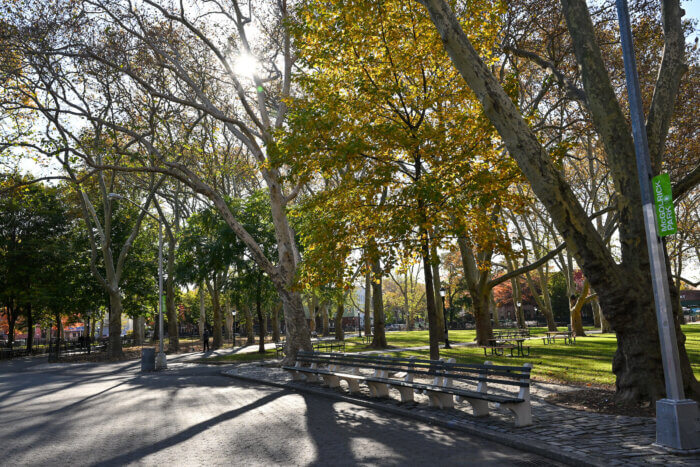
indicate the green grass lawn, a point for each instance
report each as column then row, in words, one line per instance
column 587, row 361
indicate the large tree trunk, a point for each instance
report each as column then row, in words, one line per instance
column 484, row 332
column 602, row 322
column 339, row 334
column 228, row 320
column 379, row 340
column 202, row 312
column 596, row 314
column 216, row 308
column 439, row 311
column 312, row 314
column 139, row 328
column 296, row 329
column 576, row 308
column 114, row 346
column 368, row 302
column 276, row 321
column 434, row 337
column 324, row 319
column 173, row 338
column 493, row 311
column 482, row 296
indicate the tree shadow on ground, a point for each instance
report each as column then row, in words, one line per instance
column 190, row 432
column 346, row 433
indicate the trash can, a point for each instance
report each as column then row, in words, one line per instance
column 148, row 359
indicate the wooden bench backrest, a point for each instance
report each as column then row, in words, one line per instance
column 494, row 374
column 475, row 373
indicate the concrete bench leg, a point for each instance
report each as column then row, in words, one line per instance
column 353, row 386
column 406, row 393
column 522, row 412
column 378, row 389
column 332, row 381
column 440, row 400
column 296, row 376
column 480, row 407
column 311, row 378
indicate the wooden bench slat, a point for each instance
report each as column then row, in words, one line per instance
column 515, row 373
column 446, row 371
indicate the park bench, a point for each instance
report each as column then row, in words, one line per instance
column 319, row 346
column 440, row 387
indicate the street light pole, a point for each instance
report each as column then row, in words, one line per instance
column 444, row 315
column 676, row 417
column 359, row 325
column 161, row 361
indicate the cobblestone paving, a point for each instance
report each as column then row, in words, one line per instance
column 582, row 437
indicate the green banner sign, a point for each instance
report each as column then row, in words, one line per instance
column 663, row 205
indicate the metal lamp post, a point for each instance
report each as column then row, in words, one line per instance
column 517, row 310
column 359, row 326
column 677, row 418
column 161, row 360
column 444, row 316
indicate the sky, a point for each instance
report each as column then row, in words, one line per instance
column 692, row 10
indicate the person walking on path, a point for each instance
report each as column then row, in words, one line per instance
column 205, row 338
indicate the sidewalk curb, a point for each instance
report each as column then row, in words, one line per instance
column 549, row 451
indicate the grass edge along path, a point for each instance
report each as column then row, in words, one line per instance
column 586, row 363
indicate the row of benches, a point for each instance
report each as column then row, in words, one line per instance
column 318, row 346
column 441, row 381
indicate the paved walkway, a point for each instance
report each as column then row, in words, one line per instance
column 111, row 414
column 573, row 436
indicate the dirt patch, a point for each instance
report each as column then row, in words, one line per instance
column 599, row 401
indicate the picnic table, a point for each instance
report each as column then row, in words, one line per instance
column 499, row 345
column 568, row 336
column 505, row 334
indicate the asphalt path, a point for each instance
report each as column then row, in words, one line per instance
column 112, row 414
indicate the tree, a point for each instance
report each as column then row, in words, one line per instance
column 33, row 234
column 171, row 56
column 385, row 125
column 627, row 304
